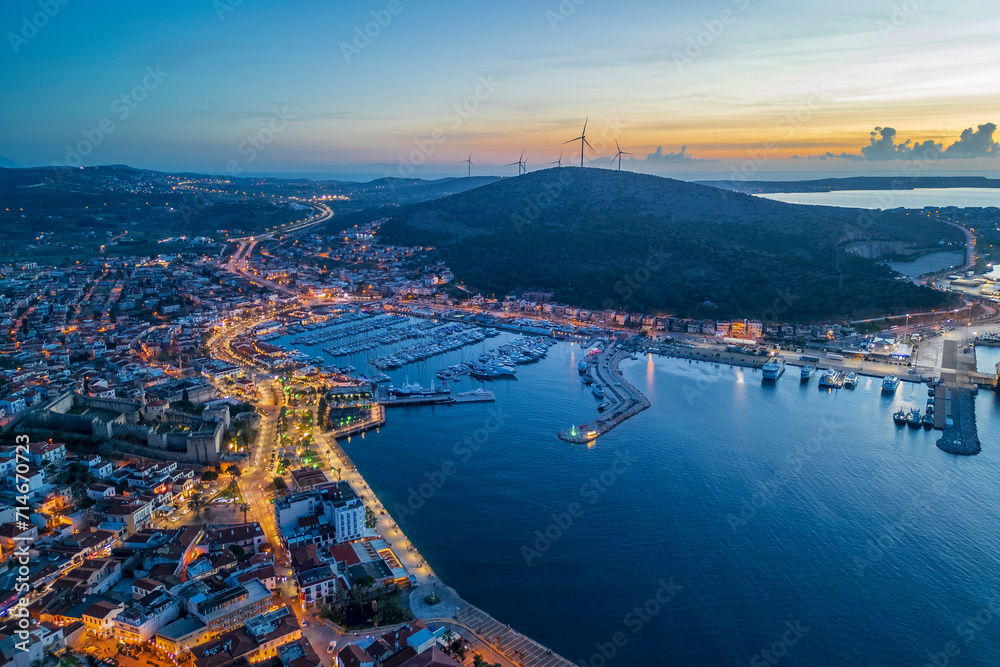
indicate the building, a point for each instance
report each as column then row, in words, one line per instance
column 144, row 618
column 99, row 618
column 248, row 536
column 329, row 514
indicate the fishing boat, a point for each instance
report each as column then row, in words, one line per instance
column 582, row 367
column 899, row 417
column 605, row 404
column 928, row 421
column 913, row 419
column 889, row 383
column 598, row 390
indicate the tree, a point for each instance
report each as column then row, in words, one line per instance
column 209, row 476
column 238, row 551
column 244, row 508
column 196, row 503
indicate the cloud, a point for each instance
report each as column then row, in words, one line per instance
column 660, row 156
column 882, row 145
column 975, row 143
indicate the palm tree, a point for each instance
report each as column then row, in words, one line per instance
column 196, row 503
column 244, row 508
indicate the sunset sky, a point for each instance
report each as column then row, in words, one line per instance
column 779, row 83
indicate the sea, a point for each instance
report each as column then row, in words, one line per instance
column 886, row 199
column 733, row 522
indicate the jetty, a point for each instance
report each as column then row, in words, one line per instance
column 627, row 401
column 960, row 435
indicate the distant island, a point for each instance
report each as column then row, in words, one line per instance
column 607, row 239
column 856, row 183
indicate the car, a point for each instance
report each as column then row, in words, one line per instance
column 305, row 623
column 332, row 647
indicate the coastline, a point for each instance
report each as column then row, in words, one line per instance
column 452, row 610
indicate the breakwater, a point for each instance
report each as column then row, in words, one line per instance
column 962, row 437
column 629, row 401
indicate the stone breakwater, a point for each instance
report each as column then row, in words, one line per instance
column 630, row 403
column 962, row 437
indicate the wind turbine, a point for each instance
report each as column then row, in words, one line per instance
column 582, row 139
column 520, row 164
column 559, row 161
column 618, row 156
column 469, row 162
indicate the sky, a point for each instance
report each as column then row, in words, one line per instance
column 723, row 88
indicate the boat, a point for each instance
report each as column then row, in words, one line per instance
column 807, row 372
column 889, row 383
column 605, row 404
column 851, row 380
column 899, row 417
column 582, row 367
column 913, row 419
column 414, row 390
column 928, row 421
column 588, row 380
column 831, row 379
column 773, row 369
column 598, row 391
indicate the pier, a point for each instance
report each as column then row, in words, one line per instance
column 627, row 401
column 375, row 419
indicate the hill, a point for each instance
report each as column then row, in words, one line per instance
column 606, row 239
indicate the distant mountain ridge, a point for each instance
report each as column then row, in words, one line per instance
column 607, row 239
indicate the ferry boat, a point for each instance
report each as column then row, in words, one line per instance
column 773, row 369
column 899, row 417
column 598, row 391
column 889, row 383
column 913, row 419
column 831, row 379
column 851, row 380
column 928, row 421
column 807, row 372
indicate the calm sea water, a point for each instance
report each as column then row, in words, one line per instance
column 885, row 199
column 929, row 263
column 744, row 508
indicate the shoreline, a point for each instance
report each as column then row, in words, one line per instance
column 426, row 580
